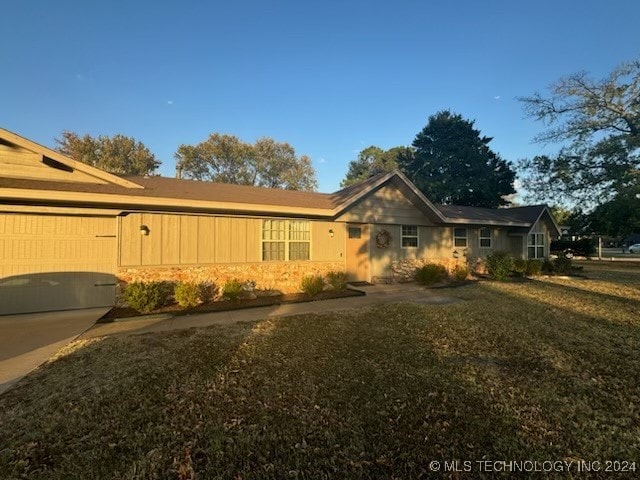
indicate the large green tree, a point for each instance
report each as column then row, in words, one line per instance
column 117, row 154
column 227, row 159
column 374, row 160
column 619, row 216
column 453, row 164
column 597, row 126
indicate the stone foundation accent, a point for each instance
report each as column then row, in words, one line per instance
column 283, row 276
column 405, row 270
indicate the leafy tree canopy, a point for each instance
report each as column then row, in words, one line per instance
column 619, row 216
column 227, row 159
column 372, row 161
column 453, row 164
column 117, row 154
column 597, row 123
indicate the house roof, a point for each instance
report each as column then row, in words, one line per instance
column 514, row 216
column 102, row 189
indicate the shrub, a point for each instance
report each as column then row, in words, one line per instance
column 337, row 280
column 312, row 285
column 499, row 264
column 534, row 268
column 547, row 267
column 460, row 272
column 519, row 266
column 431, row 273
column 232, row 290
column 562, row 266
column 190, row 294
column 145, row 296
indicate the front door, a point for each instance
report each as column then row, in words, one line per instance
column 357, row 252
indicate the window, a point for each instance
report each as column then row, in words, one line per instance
column 459, row 237
column 535, row 245
column 485, row 238
column 355, row 232
column 285, row 240
column 409, row 237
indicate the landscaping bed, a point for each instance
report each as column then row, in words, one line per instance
column 227, row 305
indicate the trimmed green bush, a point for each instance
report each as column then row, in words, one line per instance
column 338, row 280
column 499, row 264
column 145, row 296
column 312, row 285
column 232, row 290
column 191, row 294
column 431, row 273
column 460, row 273
column 534, row 268
column 519, row 266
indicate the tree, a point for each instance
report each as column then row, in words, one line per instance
column 619, row 216
column 453, row 164
column 117, row 154
column 598, row 124
column 227, row 159
column 372, row 161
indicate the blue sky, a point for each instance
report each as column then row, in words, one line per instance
column 328, row 77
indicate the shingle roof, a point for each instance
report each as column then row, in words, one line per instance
column 205, row 191
column 527, row 214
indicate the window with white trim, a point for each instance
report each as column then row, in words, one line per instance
column 459, row 237
column 409, row 237
column 535, row 245
column 485, row 238
column 285, row 240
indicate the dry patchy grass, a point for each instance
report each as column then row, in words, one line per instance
column 542, row 370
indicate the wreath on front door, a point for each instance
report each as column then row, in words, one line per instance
column 383, row 239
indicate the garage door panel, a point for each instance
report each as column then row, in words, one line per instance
column 55, row 262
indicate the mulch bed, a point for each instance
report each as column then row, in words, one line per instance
column 226, row 305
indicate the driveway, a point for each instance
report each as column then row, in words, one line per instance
column 28, row 340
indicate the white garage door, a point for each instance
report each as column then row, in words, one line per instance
column 56, row 262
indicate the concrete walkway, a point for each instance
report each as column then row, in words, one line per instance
column 375, row 295
column 28, row 340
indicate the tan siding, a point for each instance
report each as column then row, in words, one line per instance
column 517, row 246
column 20, row 163
column 188, row 240
column 254, row 239
column 222, row 240
column 206, row 235
column 170, row 238
column 387, row 205
column 238, row 251
column 325, row 248
column 151, row 245
column 130, row 242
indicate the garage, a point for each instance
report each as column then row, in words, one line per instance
column 56, row 262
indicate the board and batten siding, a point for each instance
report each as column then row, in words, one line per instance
column 176, row 239
column 388, row 205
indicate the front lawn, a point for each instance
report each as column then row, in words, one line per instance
column 546, row 370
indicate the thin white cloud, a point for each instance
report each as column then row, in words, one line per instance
column 79, row 77
column 497, row 97
column 322, row 160
column 169, row 102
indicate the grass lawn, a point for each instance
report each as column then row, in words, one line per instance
column 546, row 370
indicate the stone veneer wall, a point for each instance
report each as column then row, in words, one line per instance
column 405, row 270
column 283, row 276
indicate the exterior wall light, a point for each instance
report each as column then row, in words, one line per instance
column 331, row 233
column 455, row 254
column 144, row 230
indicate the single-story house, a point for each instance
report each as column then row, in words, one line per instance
column 69, row 232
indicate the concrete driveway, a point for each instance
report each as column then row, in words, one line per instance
column 28, row 340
